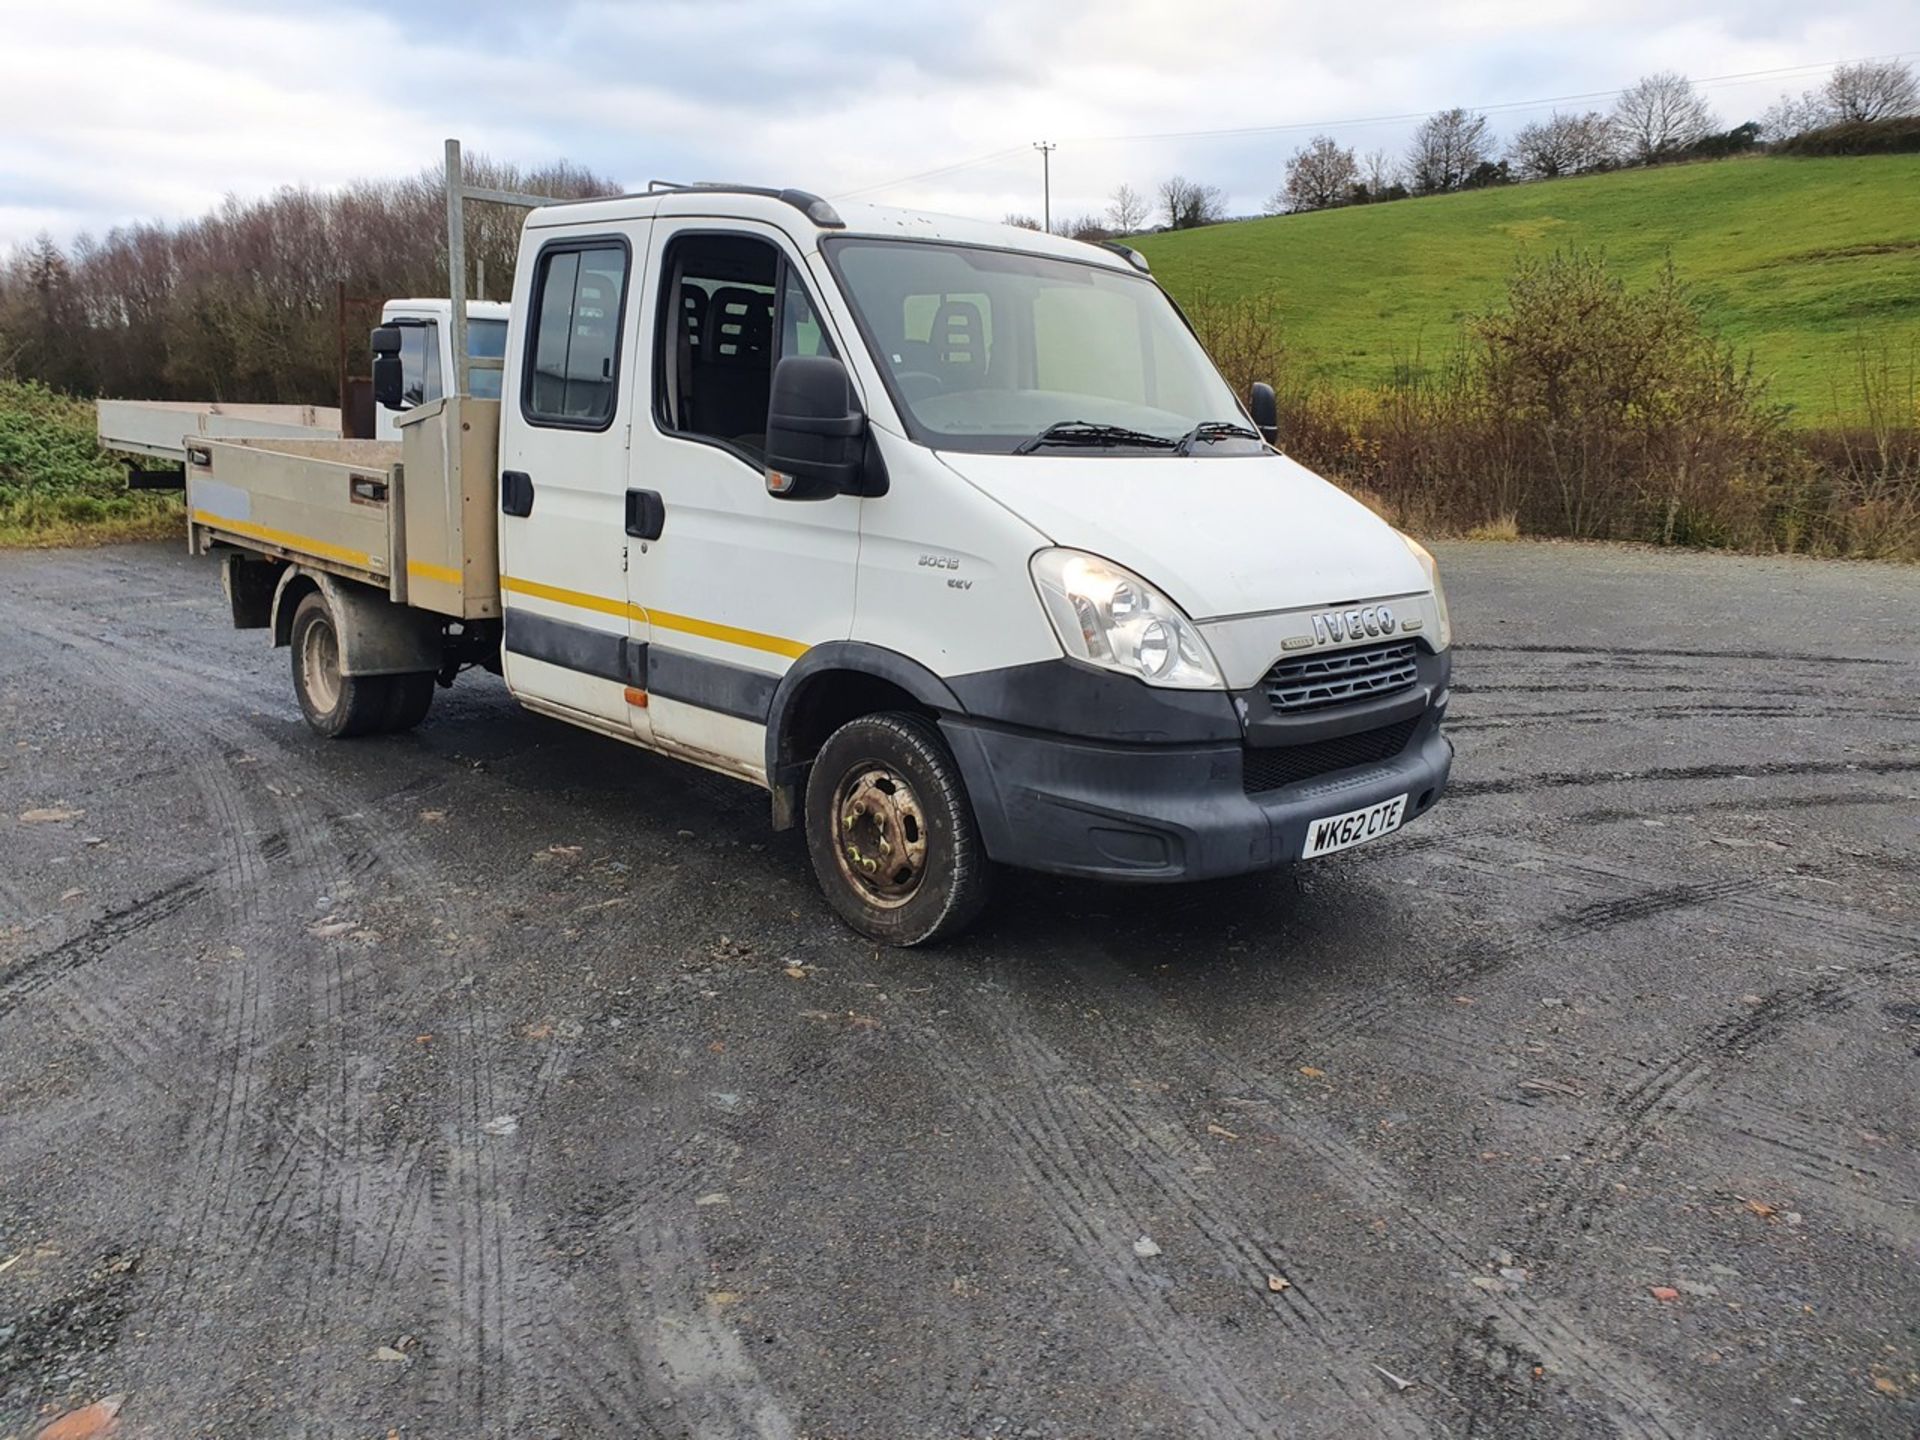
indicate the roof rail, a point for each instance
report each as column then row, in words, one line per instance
column 1133, row 256
column 805, row 201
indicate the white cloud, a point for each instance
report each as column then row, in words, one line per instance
column 123, row 110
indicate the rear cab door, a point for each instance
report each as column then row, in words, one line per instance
column 573, row 367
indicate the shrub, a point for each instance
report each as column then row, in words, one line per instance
column 56, row 484
column 1582, row 408
column 1860, row 137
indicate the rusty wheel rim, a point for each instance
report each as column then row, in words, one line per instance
column 879, row 835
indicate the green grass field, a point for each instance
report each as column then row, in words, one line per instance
column 1793, row 259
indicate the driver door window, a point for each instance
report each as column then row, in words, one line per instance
column 732, row 307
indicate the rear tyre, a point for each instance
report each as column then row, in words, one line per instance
column 409, row 697
column 891, row 833
column 336, row 705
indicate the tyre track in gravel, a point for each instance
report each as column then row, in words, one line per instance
column 101, row 936
column 1637, row 1402
column 1173, row 1163
column 1085, row 1202
column 1624, row 652
column 671, row 1342
column 249, row 1193
column 1640, row 1113
column 1878, row 1191
column 1567, row 779
column 211, row 1151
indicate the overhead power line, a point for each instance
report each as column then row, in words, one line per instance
column 1496, row 107
column 1709, row 82
column 1011, row 150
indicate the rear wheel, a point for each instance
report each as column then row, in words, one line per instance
column 335, row 705
column 891, row 834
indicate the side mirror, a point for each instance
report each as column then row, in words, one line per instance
column 1265, row 410
column 388, row 386
column 816, row 431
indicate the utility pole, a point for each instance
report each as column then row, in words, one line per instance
column 1046, row 182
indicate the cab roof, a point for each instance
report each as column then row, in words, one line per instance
column 857, row 217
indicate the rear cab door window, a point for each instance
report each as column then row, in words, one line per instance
column 563, row 460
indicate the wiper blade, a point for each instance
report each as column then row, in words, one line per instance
column 1208, row 431
column 1085, row 432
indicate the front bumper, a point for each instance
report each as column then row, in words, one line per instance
column 1068, row 806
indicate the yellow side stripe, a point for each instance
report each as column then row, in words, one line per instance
column 445, row 574
column 659, row 619
column 579, row 599
column 728, row 634
column 287, row 540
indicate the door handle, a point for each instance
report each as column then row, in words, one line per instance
column 646, row 514
column 516, row 493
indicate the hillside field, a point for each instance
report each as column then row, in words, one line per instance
column 1792, row 258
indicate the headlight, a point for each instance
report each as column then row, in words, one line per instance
column 1110, row 617
column 1443, row 637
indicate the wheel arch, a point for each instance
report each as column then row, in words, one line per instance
column 377, row 637
column 828, row 686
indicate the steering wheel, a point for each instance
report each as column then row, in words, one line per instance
column 918, row 384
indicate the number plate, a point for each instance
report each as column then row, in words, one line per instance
column 1356, row 827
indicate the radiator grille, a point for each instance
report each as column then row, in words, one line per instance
column 1341, row 675
column 1271, row 767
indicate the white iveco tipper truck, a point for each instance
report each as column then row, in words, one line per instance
column 947, row 534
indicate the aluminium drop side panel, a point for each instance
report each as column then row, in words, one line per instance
column 449, row 520
column 319, row 502
column 156, row 427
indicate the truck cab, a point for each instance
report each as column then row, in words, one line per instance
column 426, row 353
column 951, row 536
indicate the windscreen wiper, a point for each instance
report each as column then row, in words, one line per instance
column 1208, row 431
column 1086, row 432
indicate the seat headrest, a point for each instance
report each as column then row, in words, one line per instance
column 739, row 326
column 693, row 313
column 958, row 335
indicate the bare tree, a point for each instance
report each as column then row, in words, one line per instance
column 1127, row 210
column 239, row 304
column 1381, row 172
column 1320, row 175
column 1793, row 115
column 1562, row 145
column 1872, row 90
column 1659, row 114
column 1020, row 222
column 1447, row 148
column 1189, row 204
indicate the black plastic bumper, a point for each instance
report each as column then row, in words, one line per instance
column 1163, row 812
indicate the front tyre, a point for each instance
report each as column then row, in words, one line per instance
column 336, row 705
column 891, row 834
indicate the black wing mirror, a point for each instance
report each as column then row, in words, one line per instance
column 1265, row 410
column 817, row 441
column 388, row 386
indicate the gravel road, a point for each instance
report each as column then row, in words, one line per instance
column 501, row 1080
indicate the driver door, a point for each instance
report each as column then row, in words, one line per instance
column 736, row 585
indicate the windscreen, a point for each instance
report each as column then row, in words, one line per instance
column 986, row 349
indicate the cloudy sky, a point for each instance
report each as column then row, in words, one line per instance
column 120, row 110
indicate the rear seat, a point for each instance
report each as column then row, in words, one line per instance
column 733, row 367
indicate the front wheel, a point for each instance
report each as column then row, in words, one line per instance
column 891, row 834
